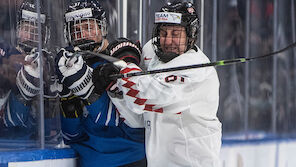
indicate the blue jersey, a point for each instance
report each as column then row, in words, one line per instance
column 17, row 121
column 101, row 138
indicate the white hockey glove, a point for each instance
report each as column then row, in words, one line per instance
column 74, row 73
column 27, row 79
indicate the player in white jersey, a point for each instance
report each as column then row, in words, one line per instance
column 179, row 107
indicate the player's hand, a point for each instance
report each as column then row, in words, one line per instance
column 11, row 61
column 74, row 73
column 126, row 50
column 101, row 77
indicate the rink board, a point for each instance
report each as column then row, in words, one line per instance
column 274, row 153
column 261, row 153
column 39, row 158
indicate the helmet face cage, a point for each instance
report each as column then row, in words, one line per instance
column 86, row 25
column 86, row 31
column 27, row 33
column 175, row 44
column 27, row 27
column 171, row 38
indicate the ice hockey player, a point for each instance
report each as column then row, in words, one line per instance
column 179, row 107
column 20, row 72
column 90, row 123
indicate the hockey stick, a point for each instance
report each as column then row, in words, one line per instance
column 115, row 61
column 217, row 63
column 88, row 54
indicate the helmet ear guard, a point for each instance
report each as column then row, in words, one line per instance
column 176, row 14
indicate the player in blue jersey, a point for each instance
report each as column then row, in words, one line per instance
column 90, row 122
column 19, row 76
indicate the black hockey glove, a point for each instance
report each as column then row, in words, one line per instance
column 71, row 107
column 101, row 77
column 126, row 50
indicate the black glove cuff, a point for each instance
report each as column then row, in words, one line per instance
column 92, row 98
column 71, row 107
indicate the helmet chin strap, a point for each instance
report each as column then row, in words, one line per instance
column 166, row 57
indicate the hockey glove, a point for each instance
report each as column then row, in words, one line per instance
column 27, row 79
column 101, row 77
column 71, row 106
column 74, row 73
column 126, row 50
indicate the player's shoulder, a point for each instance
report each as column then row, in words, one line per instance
column 148, row 50
column 191, row 57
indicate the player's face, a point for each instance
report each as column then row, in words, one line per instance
column 28, row 31
column 173, row 39
column 87, row 29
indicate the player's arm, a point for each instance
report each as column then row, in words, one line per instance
column 165, row 92
column 71, row 107
column 130, row 52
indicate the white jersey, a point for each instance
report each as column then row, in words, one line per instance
column 179, row 110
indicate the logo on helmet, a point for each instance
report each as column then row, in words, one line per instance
column 32, row 16
column 168, row 17
column 82, row 13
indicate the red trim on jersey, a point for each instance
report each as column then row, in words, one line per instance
column 140, row 101
column 132, row 92
column 128, row 84
column 127, row 70
column 131, row 56
column 148, row 107
column 160, row 110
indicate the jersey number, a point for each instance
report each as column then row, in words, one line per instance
column 172, row 78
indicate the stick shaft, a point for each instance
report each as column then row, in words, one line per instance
column 217, row 63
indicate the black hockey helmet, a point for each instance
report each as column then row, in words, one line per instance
column 27, row 26
column 79, row 14
column 176, row 13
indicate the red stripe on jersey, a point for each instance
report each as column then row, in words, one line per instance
column 131, row 56
column 140, row 101
column 128, row 84
column 127, row 70
column 148, row 107
column 132, row 92
column 160, row 110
